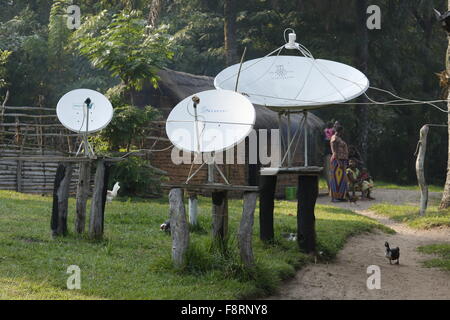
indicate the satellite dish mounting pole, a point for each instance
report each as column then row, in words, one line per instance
column 289, row 139
column 305, row 114
column 196, row 101
column 87, row 104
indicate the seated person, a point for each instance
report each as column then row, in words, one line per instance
column 359, row 180
column 367, row 183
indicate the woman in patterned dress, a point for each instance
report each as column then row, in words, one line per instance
column 338, row 163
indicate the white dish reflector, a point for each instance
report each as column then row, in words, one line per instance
column 72, row 111
column 224, row 119
column 293, row 82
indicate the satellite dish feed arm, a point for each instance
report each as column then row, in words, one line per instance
column 196, row 101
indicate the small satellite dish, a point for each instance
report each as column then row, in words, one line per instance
column 84, row 110
column 210, row 121
column 294, row 82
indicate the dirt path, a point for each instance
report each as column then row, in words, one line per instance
column 346, row 277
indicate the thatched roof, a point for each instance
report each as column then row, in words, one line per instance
column 174, row 86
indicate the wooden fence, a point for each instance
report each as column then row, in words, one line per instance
column 27, row 132
column 30, row 176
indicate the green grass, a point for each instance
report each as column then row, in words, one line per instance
column 443, row 253
column 390, row 185
column 133, row 260
column 410, row 215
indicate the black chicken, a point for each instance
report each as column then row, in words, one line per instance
column 444, row 19
column 165, row 226
column 392, row 254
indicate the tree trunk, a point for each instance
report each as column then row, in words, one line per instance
column 445, row 202
column 230, row 31
column 154, row 13
column 362, row 111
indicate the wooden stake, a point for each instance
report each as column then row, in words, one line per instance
column 178, row 227
column 220, row 217
column 98, row 205
column 420, row 171
column 246, row 229
column 268, row 185
column 308, row 189
column 61, row 199
column 84, row 184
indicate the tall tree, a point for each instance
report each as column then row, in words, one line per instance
column 230, row 13
column 445, row 201
column 362, row 57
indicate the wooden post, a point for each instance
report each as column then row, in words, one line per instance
column 307, row 195
column 98, row 202
column 19, row 176
column 193, row 209
column 246, row 229
column 220, row 217
column 61, row 199
column 268, row 186
column 178, row 227
column 84, row 184
column 420, row 164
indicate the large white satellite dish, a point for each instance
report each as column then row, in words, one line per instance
column 294, row 82
column 221, row 120
column 84, row 111
column 210, row 122
column 71, row 111
column 289, row 84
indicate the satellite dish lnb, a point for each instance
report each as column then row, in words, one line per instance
column 84, row 111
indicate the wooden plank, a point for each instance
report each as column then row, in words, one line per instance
column 310, row 170
column 210, row 187
column 178, row 227
column 29, row 108
column 245, row 234
column 19, row 176
column 58, row 159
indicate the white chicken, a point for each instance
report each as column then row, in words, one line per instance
column 110, row 195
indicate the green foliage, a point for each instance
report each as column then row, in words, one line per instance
column 129, row 127
column 4, row 55
column 136, row 177
column 123, row 45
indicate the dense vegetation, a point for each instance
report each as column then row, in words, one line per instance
column 48, row 59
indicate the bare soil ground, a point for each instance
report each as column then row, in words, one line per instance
column 346, row 277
